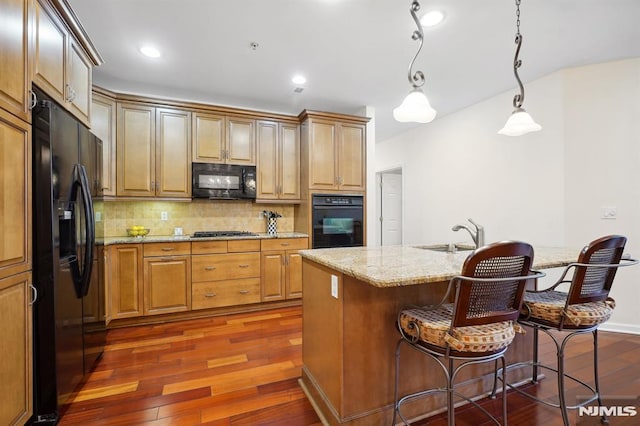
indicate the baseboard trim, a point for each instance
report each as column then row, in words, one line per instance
column 620, row 328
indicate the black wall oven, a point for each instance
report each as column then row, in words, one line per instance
column 338, row 220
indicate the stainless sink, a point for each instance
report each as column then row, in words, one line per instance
column 446, row 248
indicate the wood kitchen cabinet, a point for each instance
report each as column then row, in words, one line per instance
column 61, row 66
column 281, row 268
column 126, row 281
column 153, row 151
column 278, row 161
column 334, row 152
column 15, row 83
column 223, row 139
column 15, row 198
column 225, row 273
column 167, row 278
column 16, row 349
column 103, row 125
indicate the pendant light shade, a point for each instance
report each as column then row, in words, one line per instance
column 519, row 123
column 415, row 108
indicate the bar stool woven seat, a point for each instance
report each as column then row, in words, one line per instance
column 551, row 306
column 435, row 327
column 579, row 310
column 477, row 327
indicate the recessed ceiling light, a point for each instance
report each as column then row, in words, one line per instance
column 299, row 79
column 432, row 18
column 150, row 51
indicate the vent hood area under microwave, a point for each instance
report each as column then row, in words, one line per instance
column 223, row 181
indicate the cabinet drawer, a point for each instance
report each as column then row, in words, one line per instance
column 285, row 244
column 207, row 247
column 217, row 267
column 166, row 249
column 225, row 293
column 238, row 246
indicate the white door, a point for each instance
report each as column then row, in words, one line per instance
column 391, row 209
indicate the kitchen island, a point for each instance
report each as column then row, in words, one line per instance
column 351, row 297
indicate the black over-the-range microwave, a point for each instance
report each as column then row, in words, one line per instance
column 223, row 181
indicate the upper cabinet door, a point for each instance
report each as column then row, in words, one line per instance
column 78, row 84
column 289, row 162
column 268, row 162
column 103, row 125
column 208, row 138
column 322, row 157
column 15, row 202
column 351, row 157
column 15, row 82
column 173, row 151
column 241, row 141
column 50, row 52
column 136, row 150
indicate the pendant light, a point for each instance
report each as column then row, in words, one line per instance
column 520, row 122
column 415, row 107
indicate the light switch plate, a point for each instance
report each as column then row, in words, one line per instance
column 609, row 212
column 334, row 286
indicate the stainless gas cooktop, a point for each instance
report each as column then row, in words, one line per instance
column 209, row 234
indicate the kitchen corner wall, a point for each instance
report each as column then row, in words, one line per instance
column 198, row 215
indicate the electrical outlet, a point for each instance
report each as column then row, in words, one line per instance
column 164, row 216
column 334, row 286
column 98, row 216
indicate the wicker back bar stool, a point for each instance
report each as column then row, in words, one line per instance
column 577, row 311
column 477, row 327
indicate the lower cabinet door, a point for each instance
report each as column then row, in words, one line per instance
column 215, row 294
column 167, row 284
column 15, row 350
column 273, row 275
column 125, row 287
column 293, row 284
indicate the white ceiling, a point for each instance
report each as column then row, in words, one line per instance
column 354, row 53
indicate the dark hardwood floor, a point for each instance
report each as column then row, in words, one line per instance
column 243, row 370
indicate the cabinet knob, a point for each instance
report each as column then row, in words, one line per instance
column 209, row 268
column 210, row 295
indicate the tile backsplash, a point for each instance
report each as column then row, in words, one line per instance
column 198, row 215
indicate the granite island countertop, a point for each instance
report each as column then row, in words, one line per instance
column 392, row 266
column 187, row 238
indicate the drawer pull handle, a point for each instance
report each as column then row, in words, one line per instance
column 285, row 244
column 209, row 295
column 166, row 259
column 244, row 265
column 209, row 268
column 168, row 248
column 243, row 291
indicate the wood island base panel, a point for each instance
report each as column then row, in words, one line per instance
column 350, row 335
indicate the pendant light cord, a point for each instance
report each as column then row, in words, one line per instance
column 416, row 79
column 518, row 99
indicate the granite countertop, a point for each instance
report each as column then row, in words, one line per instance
column 392, row 266
column 186, row 238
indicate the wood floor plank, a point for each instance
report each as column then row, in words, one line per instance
column 243, row 369
column 105, row 391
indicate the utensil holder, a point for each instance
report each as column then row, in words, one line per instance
column 272, row 226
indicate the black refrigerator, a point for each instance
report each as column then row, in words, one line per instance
column 68, row 338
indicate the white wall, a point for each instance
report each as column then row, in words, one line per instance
column 540, row 187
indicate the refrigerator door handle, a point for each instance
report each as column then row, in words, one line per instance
column 90, row 226
column 82, row 276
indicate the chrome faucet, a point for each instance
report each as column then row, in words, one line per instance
column 477, row 235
